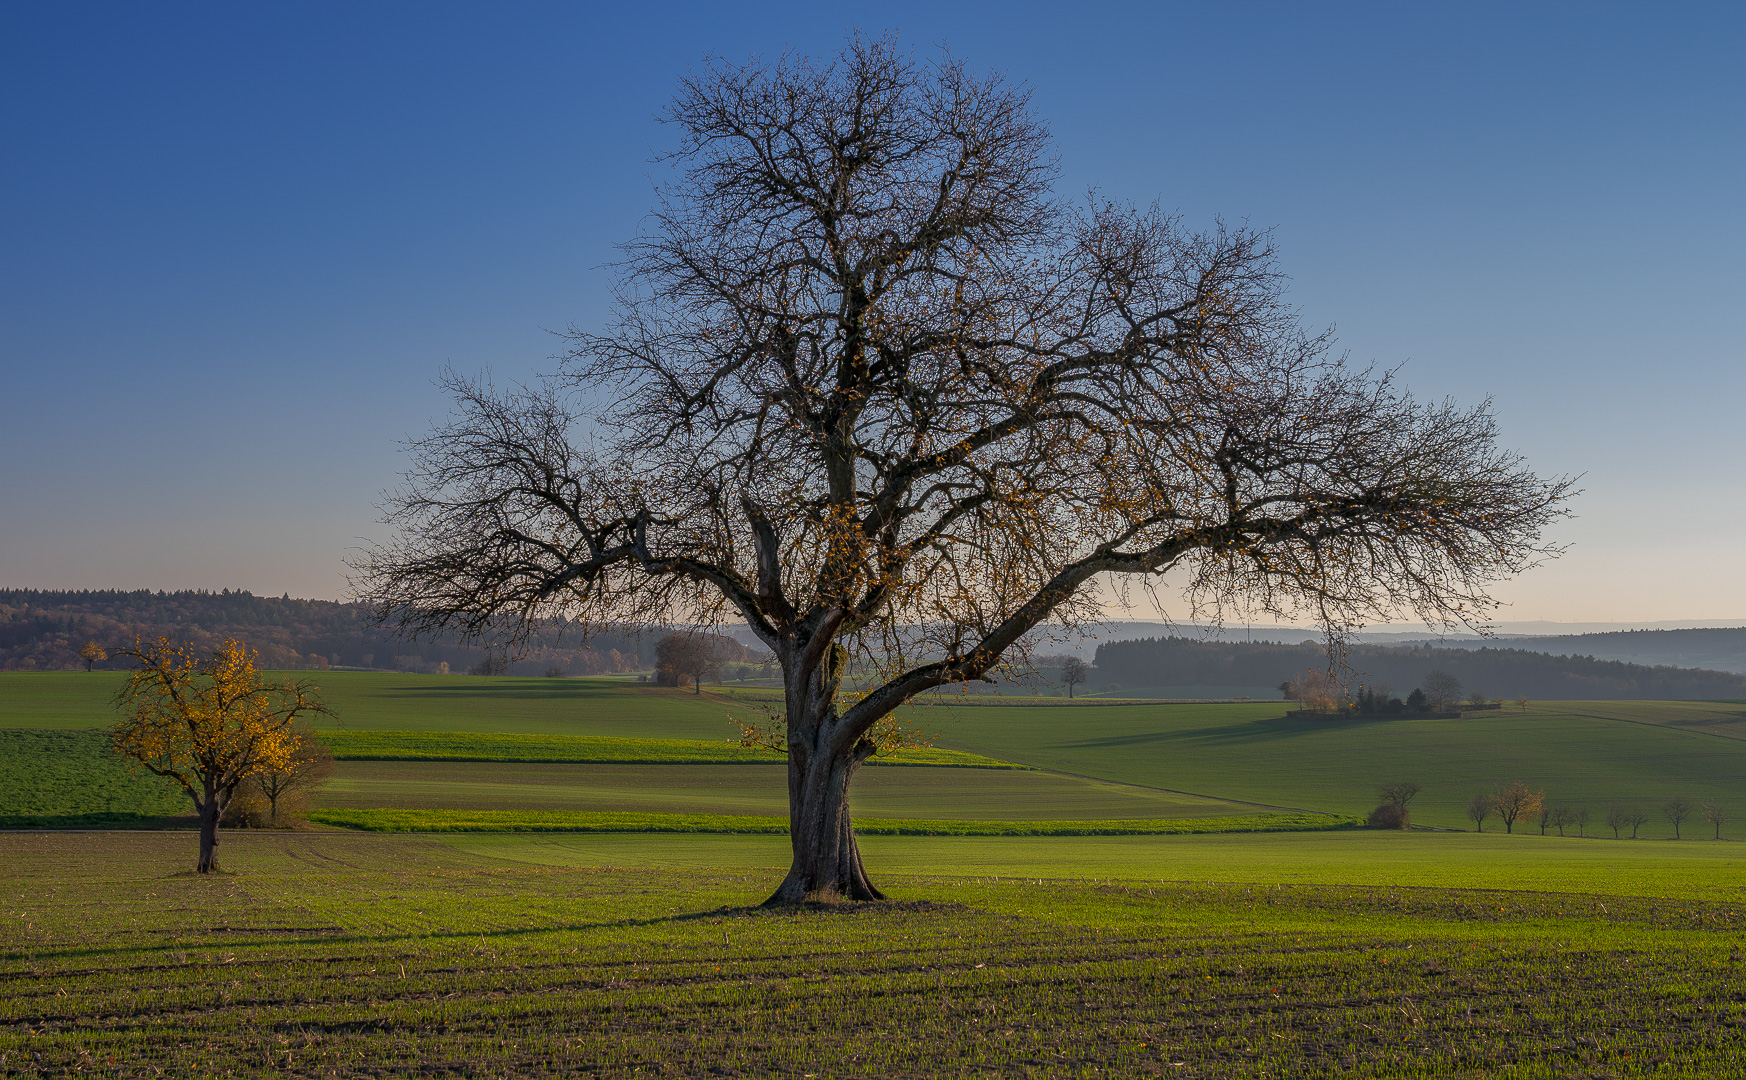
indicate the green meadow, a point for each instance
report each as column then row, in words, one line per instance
column 1635, row 754
column 554, row 876
column 353, row 955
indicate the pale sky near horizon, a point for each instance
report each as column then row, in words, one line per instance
column 240, row 241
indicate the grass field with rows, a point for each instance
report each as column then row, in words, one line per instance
column 359, row 955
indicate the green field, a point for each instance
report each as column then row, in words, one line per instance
column 1659, row 868
column 586, row 821
column 749, row 789
column 380, row 701
column 1636, row 754
column 354, row 955
column 70, row 778
column 537, row 936
column 599, row 750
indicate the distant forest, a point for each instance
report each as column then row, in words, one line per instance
column 1716, row 648
column 1495, row 672
column 42, row 631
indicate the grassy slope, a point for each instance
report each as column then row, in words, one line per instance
column 367, row 955
column 748, row 789
column 1577, row 751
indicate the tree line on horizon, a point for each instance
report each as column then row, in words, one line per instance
column 45, row 630
column 1499, row 672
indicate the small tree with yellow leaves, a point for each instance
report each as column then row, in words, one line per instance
column 209, row 723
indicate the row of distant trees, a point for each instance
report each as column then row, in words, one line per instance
column 1320, row 691
column 1518, row 804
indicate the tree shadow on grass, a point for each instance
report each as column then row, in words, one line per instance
column 329, row 936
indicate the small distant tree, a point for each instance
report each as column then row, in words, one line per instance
column 1317, row 691
column 1716, row 814
column 1636, row 819
column 490, row 665
column 1522, row 703
column 1390, row 815
column 1617, row 819
column 91, row 652
column 1676, row 811
column 1478, row 809
column 1073, row 672
column 556, row 672
column 209, row 723
column 692, row 656
column 1579, row 817
column 1442, row 690
column 1476, row 699
column 308, row 766
column 1547, row 816
column 1399, row 794
column 1516, row 801
column 1561, row 818
column 1416, row 700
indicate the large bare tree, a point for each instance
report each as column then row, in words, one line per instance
column 870, row 386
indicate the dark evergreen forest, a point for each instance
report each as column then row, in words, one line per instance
column 1495, row 672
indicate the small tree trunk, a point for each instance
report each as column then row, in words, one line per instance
column 209, row 813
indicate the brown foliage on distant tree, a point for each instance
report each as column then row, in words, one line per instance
column 691, row 656
column 1390, row 815
column 1516, row 801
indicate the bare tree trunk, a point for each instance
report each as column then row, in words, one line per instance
column 826, row 859
column 209, row 812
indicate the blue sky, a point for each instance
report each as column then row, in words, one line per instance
column 240, row 240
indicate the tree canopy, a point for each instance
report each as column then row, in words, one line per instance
column 871, row 385
column 209, row 723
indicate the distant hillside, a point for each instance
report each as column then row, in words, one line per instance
column 42, row 631
column 1715, row 648
column 1495, row 672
